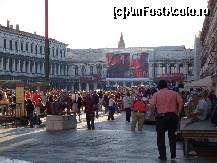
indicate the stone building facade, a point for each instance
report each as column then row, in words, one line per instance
column 208, row 40
column 89, row 68
column 22, row 57
column 173, row 63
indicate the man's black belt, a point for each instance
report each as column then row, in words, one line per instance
column 165, row 114
column 138, row 111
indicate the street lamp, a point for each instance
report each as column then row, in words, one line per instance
column 47, row 49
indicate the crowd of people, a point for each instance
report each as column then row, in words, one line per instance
column 168, row 104
column 57, row 101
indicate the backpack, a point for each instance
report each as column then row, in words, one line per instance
column 213, row 117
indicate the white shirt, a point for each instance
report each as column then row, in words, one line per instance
column 111, row 102
column 202, row 106
column 127, row 100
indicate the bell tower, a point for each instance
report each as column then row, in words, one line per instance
column 121, row 44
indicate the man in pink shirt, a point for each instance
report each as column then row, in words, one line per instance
column 169, row 104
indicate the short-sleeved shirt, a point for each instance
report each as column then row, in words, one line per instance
column 166, row 101
column 202, row 106
column 128, row 100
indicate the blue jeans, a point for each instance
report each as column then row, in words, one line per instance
column 96, row 108
column 30, row 116
column 106, row 109
column 128, row 114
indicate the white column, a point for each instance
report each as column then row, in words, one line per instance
column 150, row 70
column 87, row 87
column 186, row 68
column 13, row 65
column 59, row 72
column 51, row 69
column 159, row 69
column 38, row 67
column 33, row 67
column 24, row 66
column 79, row 86
column 72, row 71
column 66, row 72
column 63, row 71
column 42, row 71
column 1, row 64
column 7, row 64
column 18, row 66
column 73, row 87
column 54, row 67
column 177, row 68
column 28, row 69
column 168, row 69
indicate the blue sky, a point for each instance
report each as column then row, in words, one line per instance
column 91, row 24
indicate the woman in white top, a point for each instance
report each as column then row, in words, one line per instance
column 112, row 105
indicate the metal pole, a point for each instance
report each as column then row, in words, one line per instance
column 47, row 49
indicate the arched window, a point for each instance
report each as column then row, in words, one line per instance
column 181, row 68
column 91, row 70
column 76, row 70
column 57, row 52
column 36, row 49
column 53, row 52
column 99, row 69
column 83, row 70
column 190, row 69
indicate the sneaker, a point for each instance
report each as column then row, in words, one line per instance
column 192, row 153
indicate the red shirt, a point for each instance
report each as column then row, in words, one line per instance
column 35, row 97
column 89, row 105
column 139, row 105
column 166, row 101
column 28, row 95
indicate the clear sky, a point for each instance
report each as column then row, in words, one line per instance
column 91, row 23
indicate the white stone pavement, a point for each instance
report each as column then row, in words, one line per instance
column 111, row 141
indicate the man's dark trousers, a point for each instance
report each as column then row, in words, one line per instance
column 166, row 122
column 90, row 120
column 128, row 114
